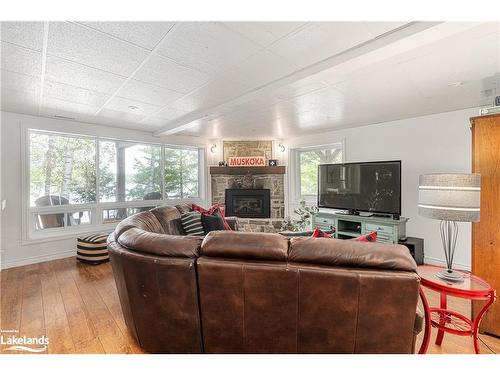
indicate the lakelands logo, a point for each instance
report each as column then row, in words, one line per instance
column 20, row 343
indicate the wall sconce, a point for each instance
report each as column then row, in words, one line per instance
column 213, row 148
column 281, row 147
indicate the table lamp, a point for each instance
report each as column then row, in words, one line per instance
column 450, row 198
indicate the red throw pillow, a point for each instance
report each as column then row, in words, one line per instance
column 372, row 237
column 319, row 233
column 214, row 209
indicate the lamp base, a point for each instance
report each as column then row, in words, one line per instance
column 450, row 275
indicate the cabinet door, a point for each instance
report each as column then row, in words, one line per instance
column 486, row 232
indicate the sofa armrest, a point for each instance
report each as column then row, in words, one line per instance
column 233, row 222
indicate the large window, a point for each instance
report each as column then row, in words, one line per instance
column 181, row 173
column 308, row 161
column 129, row 171
column 62, row 168
column 79, row 182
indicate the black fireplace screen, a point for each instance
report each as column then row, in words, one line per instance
column 251, row 203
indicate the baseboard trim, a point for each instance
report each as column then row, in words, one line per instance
column 36, row 259
column 442, row 262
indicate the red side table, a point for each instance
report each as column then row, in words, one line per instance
column 445, row 320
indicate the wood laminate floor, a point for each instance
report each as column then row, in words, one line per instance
column 76, row 306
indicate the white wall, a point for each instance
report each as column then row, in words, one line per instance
column 436, row 143
column 16, row 250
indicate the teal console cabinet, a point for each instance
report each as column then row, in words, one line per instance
column 351, row 226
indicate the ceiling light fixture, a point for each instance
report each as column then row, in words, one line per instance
column 455, row 84
column 133, row 107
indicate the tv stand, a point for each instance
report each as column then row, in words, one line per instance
column 389, row 230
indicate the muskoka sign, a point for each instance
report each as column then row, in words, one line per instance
column 247, row 161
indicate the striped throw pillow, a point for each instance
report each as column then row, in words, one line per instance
column 191, row 223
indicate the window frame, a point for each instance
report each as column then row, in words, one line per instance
column 32, row 235
column 295, row 170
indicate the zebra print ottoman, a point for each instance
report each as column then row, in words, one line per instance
column 92, row 249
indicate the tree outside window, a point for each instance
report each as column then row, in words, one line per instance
column 309, row 161
column 181, row 173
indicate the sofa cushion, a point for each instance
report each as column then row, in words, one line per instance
column 191, row 223
column 212, row 222
column 245, row 245
column 346, row 253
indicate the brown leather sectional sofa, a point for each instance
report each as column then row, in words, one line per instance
column 237, row 292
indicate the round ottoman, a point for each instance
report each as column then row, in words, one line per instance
column 92, row 249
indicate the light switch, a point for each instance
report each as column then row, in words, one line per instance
column 4, row 204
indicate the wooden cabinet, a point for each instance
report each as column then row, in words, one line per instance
column 486, row 232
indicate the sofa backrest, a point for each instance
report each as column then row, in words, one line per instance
column 321, row 296
column 155, row 273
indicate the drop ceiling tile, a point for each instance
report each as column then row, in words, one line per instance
column 20, row 82
column 170, row 75
column 170, row 114
column 70, row 73
column 20, row 60
column 207, row 46
column 19, row 93
column 24, row 34
column 115, row 117
column 74, row 94
column 88, row 47
column 123, row 105
column 143, row 34
column 54, row 106
column 261, row 69
column 189, row 103
column 144, row 92
column 264, row 33
column 219, row 90
column 320, row 40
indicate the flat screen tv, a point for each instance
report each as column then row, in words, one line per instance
column 367, row 187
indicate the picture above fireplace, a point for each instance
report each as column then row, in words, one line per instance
column 248, row 203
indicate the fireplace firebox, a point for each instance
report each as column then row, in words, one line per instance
column 249, row 203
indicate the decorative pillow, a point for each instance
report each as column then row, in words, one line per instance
column 319, row 233
column 212, row 222
column 192, row 224
column 212, row 210
column 372, row 237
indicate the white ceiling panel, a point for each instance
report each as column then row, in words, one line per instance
column 170, row 114
column 70, row 73
column 54, row 106
column 111, row 117
column 144, row 92
column 88, row 47
column 132, row 107
column 24, row 34
column 262, row 68
column 264, row 33
column 166, row 73
column 248, row 79
column 74, row 94
column 20, row 82
column 21, row 60
column 320, row 40
column 207, row 46
column 19, row 92
column 143, row 34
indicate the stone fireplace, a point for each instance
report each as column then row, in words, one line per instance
column 256, row 193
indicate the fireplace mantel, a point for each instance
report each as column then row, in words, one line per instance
column 280, row 169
